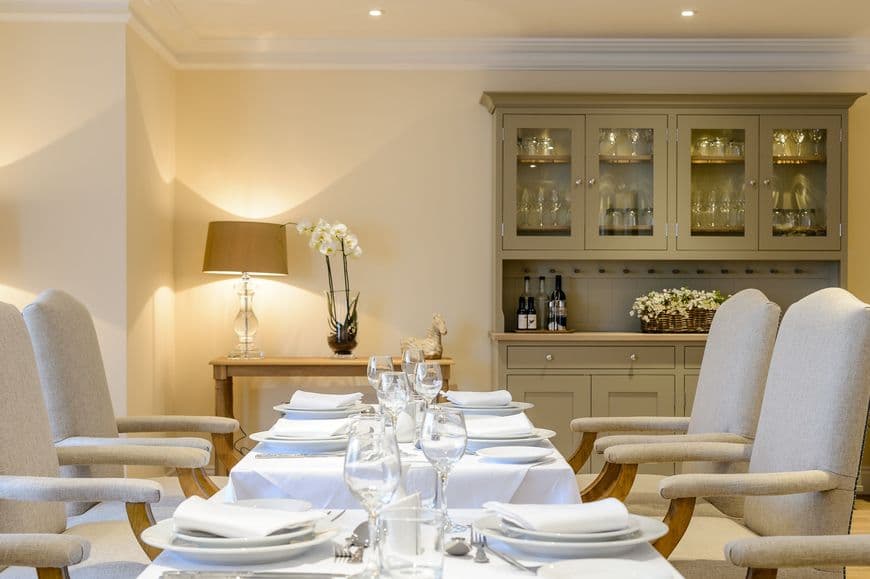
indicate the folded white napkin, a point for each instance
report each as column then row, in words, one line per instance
column 236, row 521
column 302, row 400
column 496, row 398
column 594, row 517
column 483, row 426
column 286, row 428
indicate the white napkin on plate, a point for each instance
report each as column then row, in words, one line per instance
column 236, row 521
column 594, row 517
column 483, row 426
column 302, row 400
column 287, row 428
column 496, row 398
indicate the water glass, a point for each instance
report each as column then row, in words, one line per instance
column 412, row 542
column 410, row 358
column 428, row 381
column 443, row 440
column 377, row 366
column 393, row 395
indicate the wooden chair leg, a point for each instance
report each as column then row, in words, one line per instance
column 52, row 573
column 141, row 517
column 624, row 481
column 205, row 483
column 189, row 484
column 678, row 518
column 584, row 451
column 224, row 451
column 760, row 573
column 602, row 484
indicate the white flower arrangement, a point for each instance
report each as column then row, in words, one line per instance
column 678, row 302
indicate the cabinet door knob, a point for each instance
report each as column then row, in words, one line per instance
column 578, row 181
column 633, row 357
column 591, row 181
column 753, row 182
column 549, row 357
column 766, row 182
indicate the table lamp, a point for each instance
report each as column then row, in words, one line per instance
column 247, row 248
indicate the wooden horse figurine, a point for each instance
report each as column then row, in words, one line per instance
column 431, row 344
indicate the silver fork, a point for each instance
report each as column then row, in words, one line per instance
column 533, row 569
column 340, row 552
column 477, row 540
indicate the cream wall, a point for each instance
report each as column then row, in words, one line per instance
column 405, row 159
column 62, row 173
column 150, row 207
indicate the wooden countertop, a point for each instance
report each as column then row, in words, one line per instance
column 595, row 337
column 302, row 361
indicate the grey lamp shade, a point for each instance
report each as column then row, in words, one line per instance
column 235, row 247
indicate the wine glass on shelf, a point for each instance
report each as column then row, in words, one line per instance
column 377, row 366
column 394, row 394
column 817, row 136
column 799, row 137
column 428, row 381
column 443, row 440
column 372, row 472
column 780, row 140
column 411, row 357
column 634, row 139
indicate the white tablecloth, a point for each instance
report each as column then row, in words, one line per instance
column 473, row 481
column 320, row 560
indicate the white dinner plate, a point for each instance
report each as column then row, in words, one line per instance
column 602, row 569
column 160, row 536
column 214, row 541
column 289, row 505
column 514, row 454
column 538, row 435
column 302, row 444
column 514, row 531
column 650, row 530
column 507, row 410
column 297, row 413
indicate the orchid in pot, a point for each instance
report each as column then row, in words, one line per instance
column 333, row 241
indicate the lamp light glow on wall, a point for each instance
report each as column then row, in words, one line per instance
column 245, row 248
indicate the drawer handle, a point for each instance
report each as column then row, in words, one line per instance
column 549, row 357
column 632, row 357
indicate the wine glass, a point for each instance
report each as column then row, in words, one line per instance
column 377, row 366
column 634, row 139
column 799, row 136
column 443, row 440
column 372, row 472
column 780, row 139
column 410, row 358
column 817, row 136
column 393, row 395
column 428, row 381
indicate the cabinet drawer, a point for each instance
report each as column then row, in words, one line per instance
column 694, row 355
column 589, row 357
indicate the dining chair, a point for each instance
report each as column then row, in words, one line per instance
column 33, row 524
column 727, row 402
column 804, row 461
column 76, row 393
column 764, row 556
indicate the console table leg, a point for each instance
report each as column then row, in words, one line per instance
column 223, row 406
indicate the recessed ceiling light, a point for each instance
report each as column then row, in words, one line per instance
column 376, row 12
column 687, row 13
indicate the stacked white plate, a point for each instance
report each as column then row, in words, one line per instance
column 538, row 435
column 503, row 410
column 298, row 414
column 515, row 454
column 215, row 550
column 571, row 545
column 302, row 445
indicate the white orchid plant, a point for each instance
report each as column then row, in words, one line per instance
column 677, row 302
column 332, row 240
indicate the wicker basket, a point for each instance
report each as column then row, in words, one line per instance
column 697, row 322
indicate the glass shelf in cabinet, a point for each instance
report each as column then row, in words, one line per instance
column 543, row 159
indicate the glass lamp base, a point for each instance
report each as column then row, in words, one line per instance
column 245, row 355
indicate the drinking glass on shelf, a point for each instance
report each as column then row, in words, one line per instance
column 539, row 209
column 634, row 139
column 817, row 136
column 702, row 147
column 377, row 366
column 735, row 149
column 806, row 218
column 630, row 218
column 443, row 440
column 555, row 207
column 799, row 136
column 780, row 143
column 717, row 147
column 394, row 394
column 545, row 146
column 646, row 137
column 529, row 146
column 410, row 358
column 372, row 472
column 607, row 142
column 429, row 381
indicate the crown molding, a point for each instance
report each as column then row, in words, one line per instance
column 152, row 39
column 530, row 54
column 64, row 11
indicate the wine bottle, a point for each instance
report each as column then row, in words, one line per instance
column 560, row 306
column 527, row 294
column 531, row 315
column 522, row 315
column 541, row 300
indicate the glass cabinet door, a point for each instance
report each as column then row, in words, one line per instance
column 626, row 187
column 800, row 176
column 717, row 182
column 543, row 182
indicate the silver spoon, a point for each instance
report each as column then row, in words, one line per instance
column 457, row 547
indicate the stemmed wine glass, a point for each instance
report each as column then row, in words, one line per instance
column 817, row 136
column 443, row 440
column 377, row 366
column 394, row 394
column 410, row 358
column 799, row 136
column 428, row 381
column 372, row 472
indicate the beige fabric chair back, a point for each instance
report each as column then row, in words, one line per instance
column 732, row 378
column 814, row 413
column 73, row 377
column 24, row 430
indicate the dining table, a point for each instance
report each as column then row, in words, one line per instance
column 322, row 561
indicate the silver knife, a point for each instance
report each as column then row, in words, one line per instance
column 250, row 574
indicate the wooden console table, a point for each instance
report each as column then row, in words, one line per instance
column 225, row 369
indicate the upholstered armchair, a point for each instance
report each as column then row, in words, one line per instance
column 33, row 523
column 727, row 402
column 77, row 395
column 804, row 460
column 764, row 556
